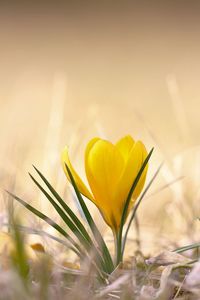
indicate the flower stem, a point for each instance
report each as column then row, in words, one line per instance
column 118, row 246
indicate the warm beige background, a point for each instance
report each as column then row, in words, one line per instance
column 74, row 69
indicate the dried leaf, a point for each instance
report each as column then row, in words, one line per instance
column 167, row 258
column 38, row 247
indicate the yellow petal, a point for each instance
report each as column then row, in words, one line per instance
column 133, row 165
column 81, row 186
column 89, row 146
column 125, row 145
column 104, row 165
column 142, row 180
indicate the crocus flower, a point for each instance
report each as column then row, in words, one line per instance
column 110, row 170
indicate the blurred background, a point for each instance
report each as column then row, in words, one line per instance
column 71, row 70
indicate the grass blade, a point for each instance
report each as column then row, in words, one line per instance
column 136, row 207
column 88, row 245
column 125, row 210
column 97, row 235
column 61, row 213
column 75, row 247
column 19, row 256
column 67, row 209
column 29, row 230
column 186, row 248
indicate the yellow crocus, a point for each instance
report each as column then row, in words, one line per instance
column 110, row 171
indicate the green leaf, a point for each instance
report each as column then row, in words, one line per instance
column 136, row 207
column 125, row 210
column 29, row 230
column 61, row 213
column 186, row 248
column 88, row 245
column 67, row 209
column 19, row 257
column 74, row 247
column 97, row 235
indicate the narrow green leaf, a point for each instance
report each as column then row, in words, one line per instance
column 88, row 245
column 125, row 210
column 61, row 213
column 67, row 209
column 19, row 257
column 75, row 247
column 186, row 248
column 136, row 207
column 29, row 230
column 97, row 235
